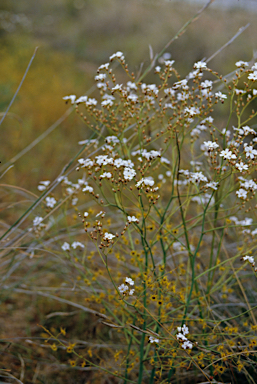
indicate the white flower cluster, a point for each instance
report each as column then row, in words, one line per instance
column 76, row 244
column 125, row 288
column 250, row 260
column 108, row 236
column 43, row 185
column 74, row 188
column 82, row 99
column 145, row 181
column 153, row 340
column 50, row 202
column 37, row 222
column 132, row 219
column 102, row 160
column 181, row 336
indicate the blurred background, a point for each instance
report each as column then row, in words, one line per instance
column 76, row 36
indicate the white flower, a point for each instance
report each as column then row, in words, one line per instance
column 241, row 193
column 241, row 166
column 118, row 55
column 132, row 219
column 194, row 74
column 86, row 162
column 87, row 189
column 50, row 202
column 187, row 344
column 212, row 184
column 65, row 246
column 200, row 65
column 132, row 97
column 196, row 177
column 91, row 101
column 191, row 111
column 253, row 76
column 226, row 132
column 146, row 181
column 129, row 173
column 220, row 96
column 247, row 221
column 168, row 105
column 208, row 119
column 104, row 66
column 240, row 91
column 43, row 185
column 85, row 214
column 244, row 131
column 100, row 77
column 250, row 259
column 182, row 337
column 118, row 163
column 101, row 213
column 210, row 145
column 150, row 88
column 108, row 236
column 184, row 329
column 182, row 96
column 249, row 184
column 169, row 91
column 151, row 154
column 74, row 201
column 195, row 132
column 103, row 160
column 206, row 84
column 254, row 92
column 77, row 244
column 72, row 98
column 112, row 140
column 37, row 221
column 101, row 86
column 227, row 154
column 108, row 175
column 249, row 151
column 81, row 99
column 131, row 85
column 118, row 87
column 241, row 64
column 123, row 288
column 164, row 160
column 129, row 281
column 128, row 163
column 158, row 69
column 180, row 84
column 169, row 63
column 153, row 340
column 106, row 103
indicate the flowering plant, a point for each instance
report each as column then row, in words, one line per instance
column 162, row 255
column 174, row 189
